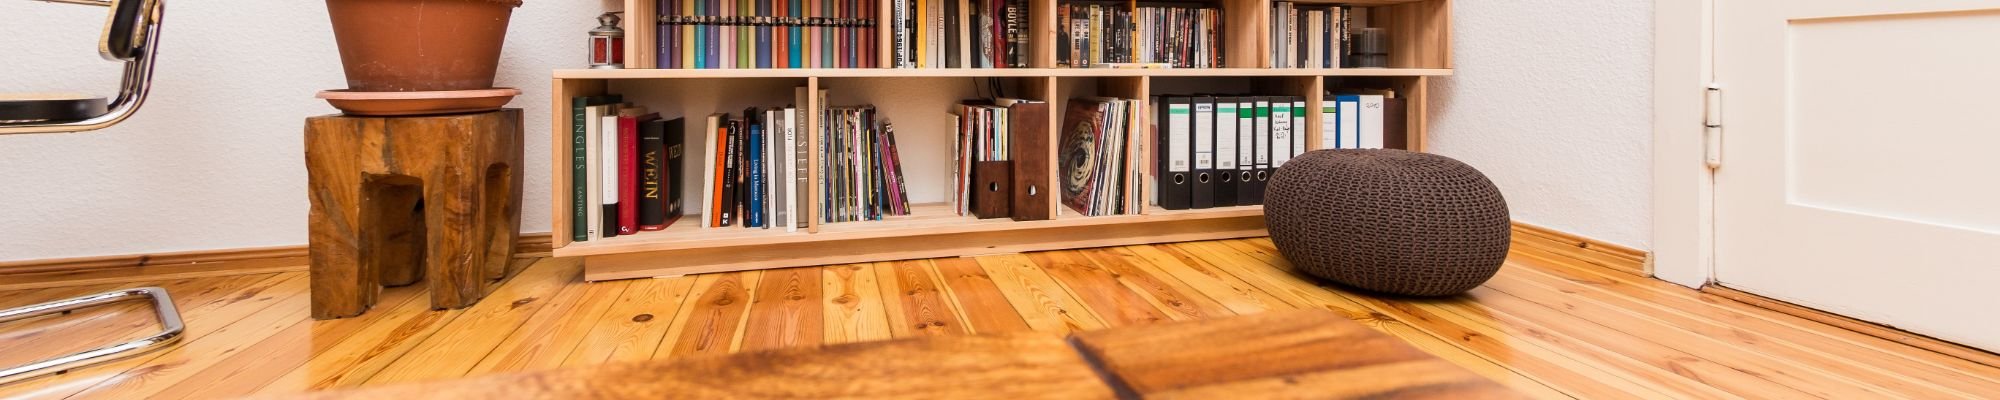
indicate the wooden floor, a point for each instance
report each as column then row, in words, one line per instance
column 1548, row 325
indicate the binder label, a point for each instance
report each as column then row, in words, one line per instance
column 1225, row 136
column 1204, row 135
column 1177, row 138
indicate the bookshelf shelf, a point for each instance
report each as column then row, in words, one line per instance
column 916, row 100
column 983, row 72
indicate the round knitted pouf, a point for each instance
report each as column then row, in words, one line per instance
column 1388, row 221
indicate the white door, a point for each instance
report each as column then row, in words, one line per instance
column 1860, row 166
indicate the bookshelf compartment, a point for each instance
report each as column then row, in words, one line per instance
column 1413, row 89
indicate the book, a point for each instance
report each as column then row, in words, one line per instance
column 609, row 180
column 753, row 205
column 787, row 189
column 726, row 187
column 628, row 167
column 659, row 171
column 802, row 213
column 581, row 165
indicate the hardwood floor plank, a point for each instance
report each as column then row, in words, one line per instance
column 1544, row 355
column 247, row 371
column 1042, row 302
column 1742, row 324
column 475, row 332
column 289, row 305
column 636, row 324
column 1664, row 357
column 10, row 298
column 554, row 332
column 786, row 311
column 204, row 316
column 1163, row 291
column 1737, row 339
column 349, row 363
column 1819, row 336
column 979, row 300
column 853, row 308
column 714, row 315
column 51, row 336
column 1234, row 293
column 916, row 304
column 1296, row 290
column 1099, row 290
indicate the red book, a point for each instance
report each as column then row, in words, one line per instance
column 628, row 169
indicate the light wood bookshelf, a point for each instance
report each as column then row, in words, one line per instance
column 917, row 98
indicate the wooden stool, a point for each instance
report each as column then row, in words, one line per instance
column 390, row 194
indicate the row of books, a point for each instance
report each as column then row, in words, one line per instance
column 1099, row 156
column 756, row 176
column 625, row 168
column 1119, row 35
column 709, row 34
column 952, row 33
column 861, row 170
column 1310, row 35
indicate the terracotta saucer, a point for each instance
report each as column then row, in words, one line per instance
column 418, row 103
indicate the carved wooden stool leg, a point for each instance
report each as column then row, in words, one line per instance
column 342, row 284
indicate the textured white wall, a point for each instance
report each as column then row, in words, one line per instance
column 1551, row 100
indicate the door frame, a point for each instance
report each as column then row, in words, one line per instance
column 1683, row 185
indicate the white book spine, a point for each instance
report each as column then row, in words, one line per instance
column 791, row 170
column 1299, row 127
column 1329, row 124
column 594, row 173
column 610, row 162
column 1372, row 107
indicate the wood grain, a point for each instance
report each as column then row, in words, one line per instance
column 979, row 301
column 636, row 324
column 970, row 367
column 1283, row 354
column 366, row 176
column 786, row 312
column 916, row 302
column 461, row 343
column 853, row 310
column 714, row 316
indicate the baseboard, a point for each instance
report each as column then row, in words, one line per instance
column 1863, row 327
column 1591, row 251
column 529, row 244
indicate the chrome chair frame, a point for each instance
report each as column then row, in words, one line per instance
column 138, row 70
column 163, row 308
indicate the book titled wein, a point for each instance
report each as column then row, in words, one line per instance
column 660, row 145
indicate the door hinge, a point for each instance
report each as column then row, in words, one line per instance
column 1711, row 120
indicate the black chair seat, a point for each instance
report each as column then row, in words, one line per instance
column 49, row 107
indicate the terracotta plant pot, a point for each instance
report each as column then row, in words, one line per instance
column 419, row 45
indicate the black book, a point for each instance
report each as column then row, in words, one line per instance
column 951, row 30
column 652, row 206
column 733, row 157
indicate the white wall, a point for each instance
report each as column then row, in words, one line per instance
column 1551, row 100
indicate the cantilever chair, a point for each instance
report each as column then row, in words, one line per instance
column 131, row 35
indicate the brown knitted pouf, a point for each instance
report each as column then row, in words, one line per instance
column 1389, row 221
